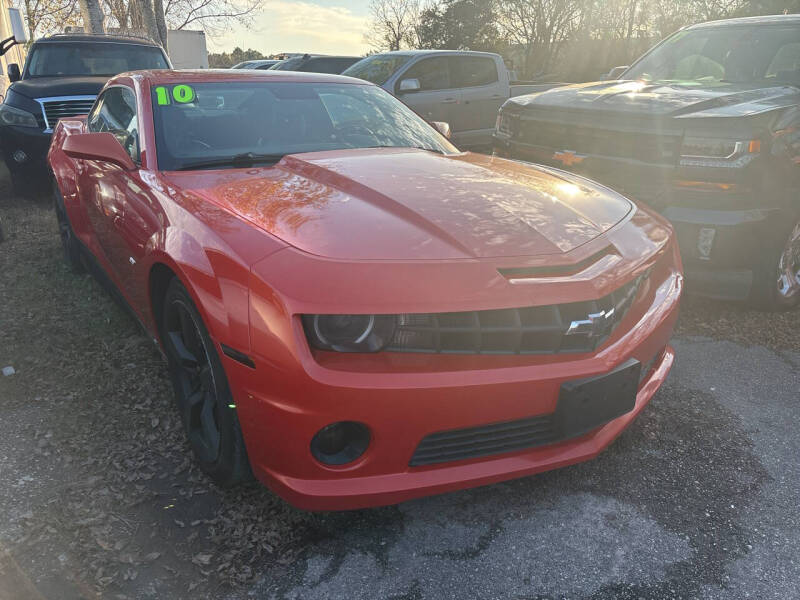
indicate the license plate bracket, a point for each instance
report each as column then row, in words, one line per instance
column 585, row 404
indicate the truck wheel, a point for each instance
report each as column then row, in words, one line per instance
column 201, row 390
column 69, row 243
column 776, row 286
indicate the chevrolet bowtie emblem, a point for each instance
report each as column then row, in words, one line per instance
column 594, row 326
column 568, row 158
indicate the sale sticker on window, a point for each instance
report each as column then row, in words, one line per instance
column 181, row 93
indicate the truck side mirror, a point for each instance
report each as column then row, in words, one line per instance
column 13, row 72
column 410, row 85
column 615, row 73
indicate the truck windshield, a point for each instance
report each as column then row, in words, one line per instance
column 725, row 54
column 91, row 58
column 377, row 68
column 229, row 124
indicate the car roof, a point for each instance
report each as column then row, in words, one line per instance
column 100, row 38
column 421, row 52
column 167, row 77
column 307, row 56
column 763, row 20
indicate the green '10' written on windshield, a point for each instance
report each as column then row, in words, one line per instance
column 182, row 94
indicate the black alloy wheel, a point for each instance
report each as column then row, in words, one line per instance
column 201, row 390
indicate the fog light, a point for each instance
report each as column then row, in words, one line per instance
column 705, row 242
column 340, row 443
column 19, row 156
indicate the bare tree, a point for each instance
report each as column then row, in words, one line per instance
column 154, row 17
column 92, row 16
column 393, row 23
column 213, row 16
column 540, row 28
column 47, row 16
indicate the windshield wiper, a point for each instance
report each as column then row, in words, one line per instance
column 245, row 159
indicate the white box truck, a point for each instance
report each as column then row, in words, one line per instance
column 187, row 49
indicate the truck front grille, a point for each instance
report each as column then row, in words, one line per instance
column 653, row 148
column 61, row 107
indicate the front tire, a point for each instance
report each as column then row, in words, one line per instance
column 69, row 243
column 201, row 391
column 776, row 286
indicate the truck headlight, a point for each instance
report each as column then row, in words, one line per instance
column 16, row 116
column 717, row 152
column 349, row 333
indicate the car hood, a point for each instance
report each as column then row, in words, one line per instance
column 661, row 99
column 45, row 87
column 406, row 204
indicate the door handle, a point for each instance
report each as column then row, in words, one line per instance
column 450, row 101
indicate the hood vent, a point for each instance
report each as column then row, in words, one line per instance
column 522, row 273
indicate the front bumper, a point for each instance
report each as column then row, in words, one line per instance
column 721, row 235
column 33, row 142
column 281, row 412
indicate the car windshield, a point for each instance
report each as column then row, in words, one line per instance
column 726, row 54
column 92, row 58
column 377, row 68
column 229, row 124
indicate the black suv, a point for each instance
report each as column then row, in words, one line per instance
column 705, row 127
column 316, row 63
column 62, row 76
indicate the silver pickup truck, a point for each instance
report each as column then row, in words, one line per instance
column 462, row 88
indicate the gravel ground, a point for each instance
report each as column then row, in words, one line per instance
column 99, row 496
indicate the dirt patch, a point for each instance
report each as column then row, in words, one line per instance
column 739, row 323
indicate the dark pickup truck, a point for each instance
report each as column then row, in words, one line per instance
column 705, row 127
column 62, row 77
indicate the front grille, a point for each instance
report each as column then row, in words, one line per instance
column 59, row 108
column 486, row 440
column 655, row 148
column 530, row 330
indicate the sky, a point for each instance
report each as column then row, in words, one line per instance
column 314, row 26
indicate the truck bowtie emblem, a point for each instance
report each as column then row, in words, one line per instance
column 568, row 158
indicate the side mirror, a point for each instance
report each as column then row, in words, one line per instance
column 615, row 73
column 102, row 146
column 13, row 72
column 443, row 128
column 410, row 85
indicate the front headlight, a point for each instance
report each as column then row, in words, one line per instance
column 717, row 152
column 349, row 333
column 16, row 116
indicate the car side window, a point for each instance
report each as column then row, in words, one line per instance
column 115, row 112
column 432, row 73
column 473, row 71
column 786, row 63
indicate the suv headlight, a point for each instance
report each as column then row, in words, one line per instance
column 349, row 333
column 717, row 152
column 16, row 116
